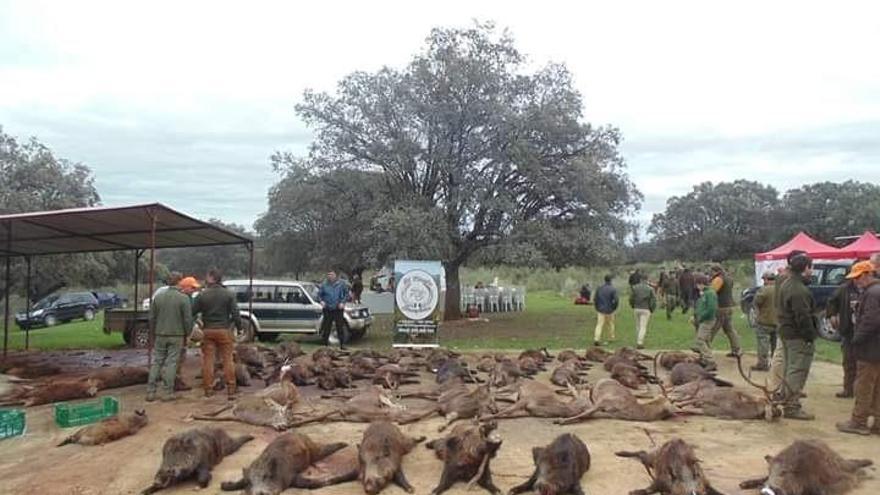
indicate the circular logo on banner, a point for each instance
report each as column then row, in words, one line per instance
column 417, row 295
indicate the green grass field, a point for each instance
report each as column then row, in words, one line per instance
column 550, row 320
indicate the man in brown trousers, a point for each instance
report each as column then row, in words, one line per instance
column 219, row 313
column 866, row 348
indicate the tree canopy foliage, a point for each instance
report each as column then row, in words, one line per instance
column 737, row 219
column 466, row 138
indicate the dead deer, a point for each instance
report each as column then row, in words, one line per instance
column 597, row 354
column 808, row 467
column 631, row 376
column 612, row 400
column 541, row 355
column 567, row 374
column 668, row 359
column 690, row 372
column 539, row 400
column 457, row 402
column 674, row 470
column 371, row 404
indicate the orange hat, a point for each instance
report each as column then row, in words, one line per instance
column 861, row 268
column 189, row 283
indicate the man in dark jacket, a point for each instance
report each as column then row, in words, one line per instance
column 797, row 327
column 723, row 285
column 218, row 311
column 332, row 296
column 606, row 305
column 686, row 289
column 866, row 348
column 840, row 310
column 669, row 285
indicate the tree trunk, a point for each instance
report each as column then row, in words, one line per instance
column 452, row 310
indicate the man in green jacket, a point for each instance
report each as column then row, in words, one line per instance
column 644, row 302
column 840, row 311
column 172, row 321
column 797, row 327
column 705, row 314
column 219, row 313
column 765, row 324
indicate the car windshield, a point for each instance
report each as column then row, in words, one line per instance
column 45, row 302
column 312, row 289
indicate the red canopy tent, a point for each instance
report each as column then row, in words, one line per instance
column 863, row 247
column 803, row 242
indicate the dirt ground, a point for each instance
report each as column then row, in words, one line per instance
column 731, row 450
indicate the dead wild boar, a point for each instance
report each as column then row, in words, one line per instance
column 668, row 359
column 278, row 465
column 466, row 453
column 108, row 430
column 809, row 467
column 558, row 467
column 338, row 467
column 193, row 453
column 612, row 400
column 675, row 470
column 380, row 455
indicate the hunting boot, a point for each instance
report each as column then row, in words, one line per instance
column 798, row 414
column 854, row 427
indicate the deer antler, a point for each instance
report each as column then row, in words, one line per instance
column 748, row 380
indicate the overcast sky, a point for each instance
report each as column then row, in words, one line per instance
column 183, row 102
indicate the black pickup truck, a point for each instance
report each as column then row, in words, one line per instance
column 827, row 276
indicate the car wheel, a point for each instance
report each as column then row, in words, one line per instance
column 50, row 321
column 246, row 334
column 140, row 337
column 826, row 331
column 89, row 314
column 267, row 336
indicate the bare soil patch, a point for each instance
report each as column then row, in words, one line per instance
column 731, row 450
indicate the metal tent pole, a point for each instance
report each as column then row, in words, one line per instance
column 137, row 276
column 6, row 309
column 27, row 305
column 152, row 279
column 250, row 247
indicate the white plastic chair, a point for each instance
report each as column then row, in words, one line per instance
column 493, row 296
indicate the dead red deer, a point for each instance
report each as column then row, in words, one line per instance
column 631, row 376
column 567, row 374
column 540, row 400
column 597, row 354
column 612, row 400
column 370, row 404
column 689, row 372
column 674, row 470
column 668, row 359
column 808, row 467
column 457, row 401
column 541, row 355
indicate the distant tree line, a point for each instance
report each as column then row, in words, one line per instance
column 730, row 220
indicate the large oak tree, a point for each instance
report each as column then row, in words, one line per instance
column 467, row 136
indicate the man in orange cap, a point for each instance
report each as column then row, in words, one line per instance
column 171, row 320
column 866, row 348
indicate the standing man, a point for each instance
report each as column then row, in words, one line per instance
column 705, row 314
column 722, row 283
column 686, row 289
column 669, row 284
column 765, row 326
column 357, row 288
column 171, row 318
column 866, row 347
column 606, row 305
column 643, row 302
column 777, row 361
column 219, row 313
column 332, row 296
column 841, row 311
column 797, row 327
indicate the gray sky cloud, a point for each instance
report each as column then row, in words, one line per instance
column 183, row 102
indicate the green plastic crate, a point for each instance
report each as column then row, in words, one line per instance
column 11, row 423
column 83, row 413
